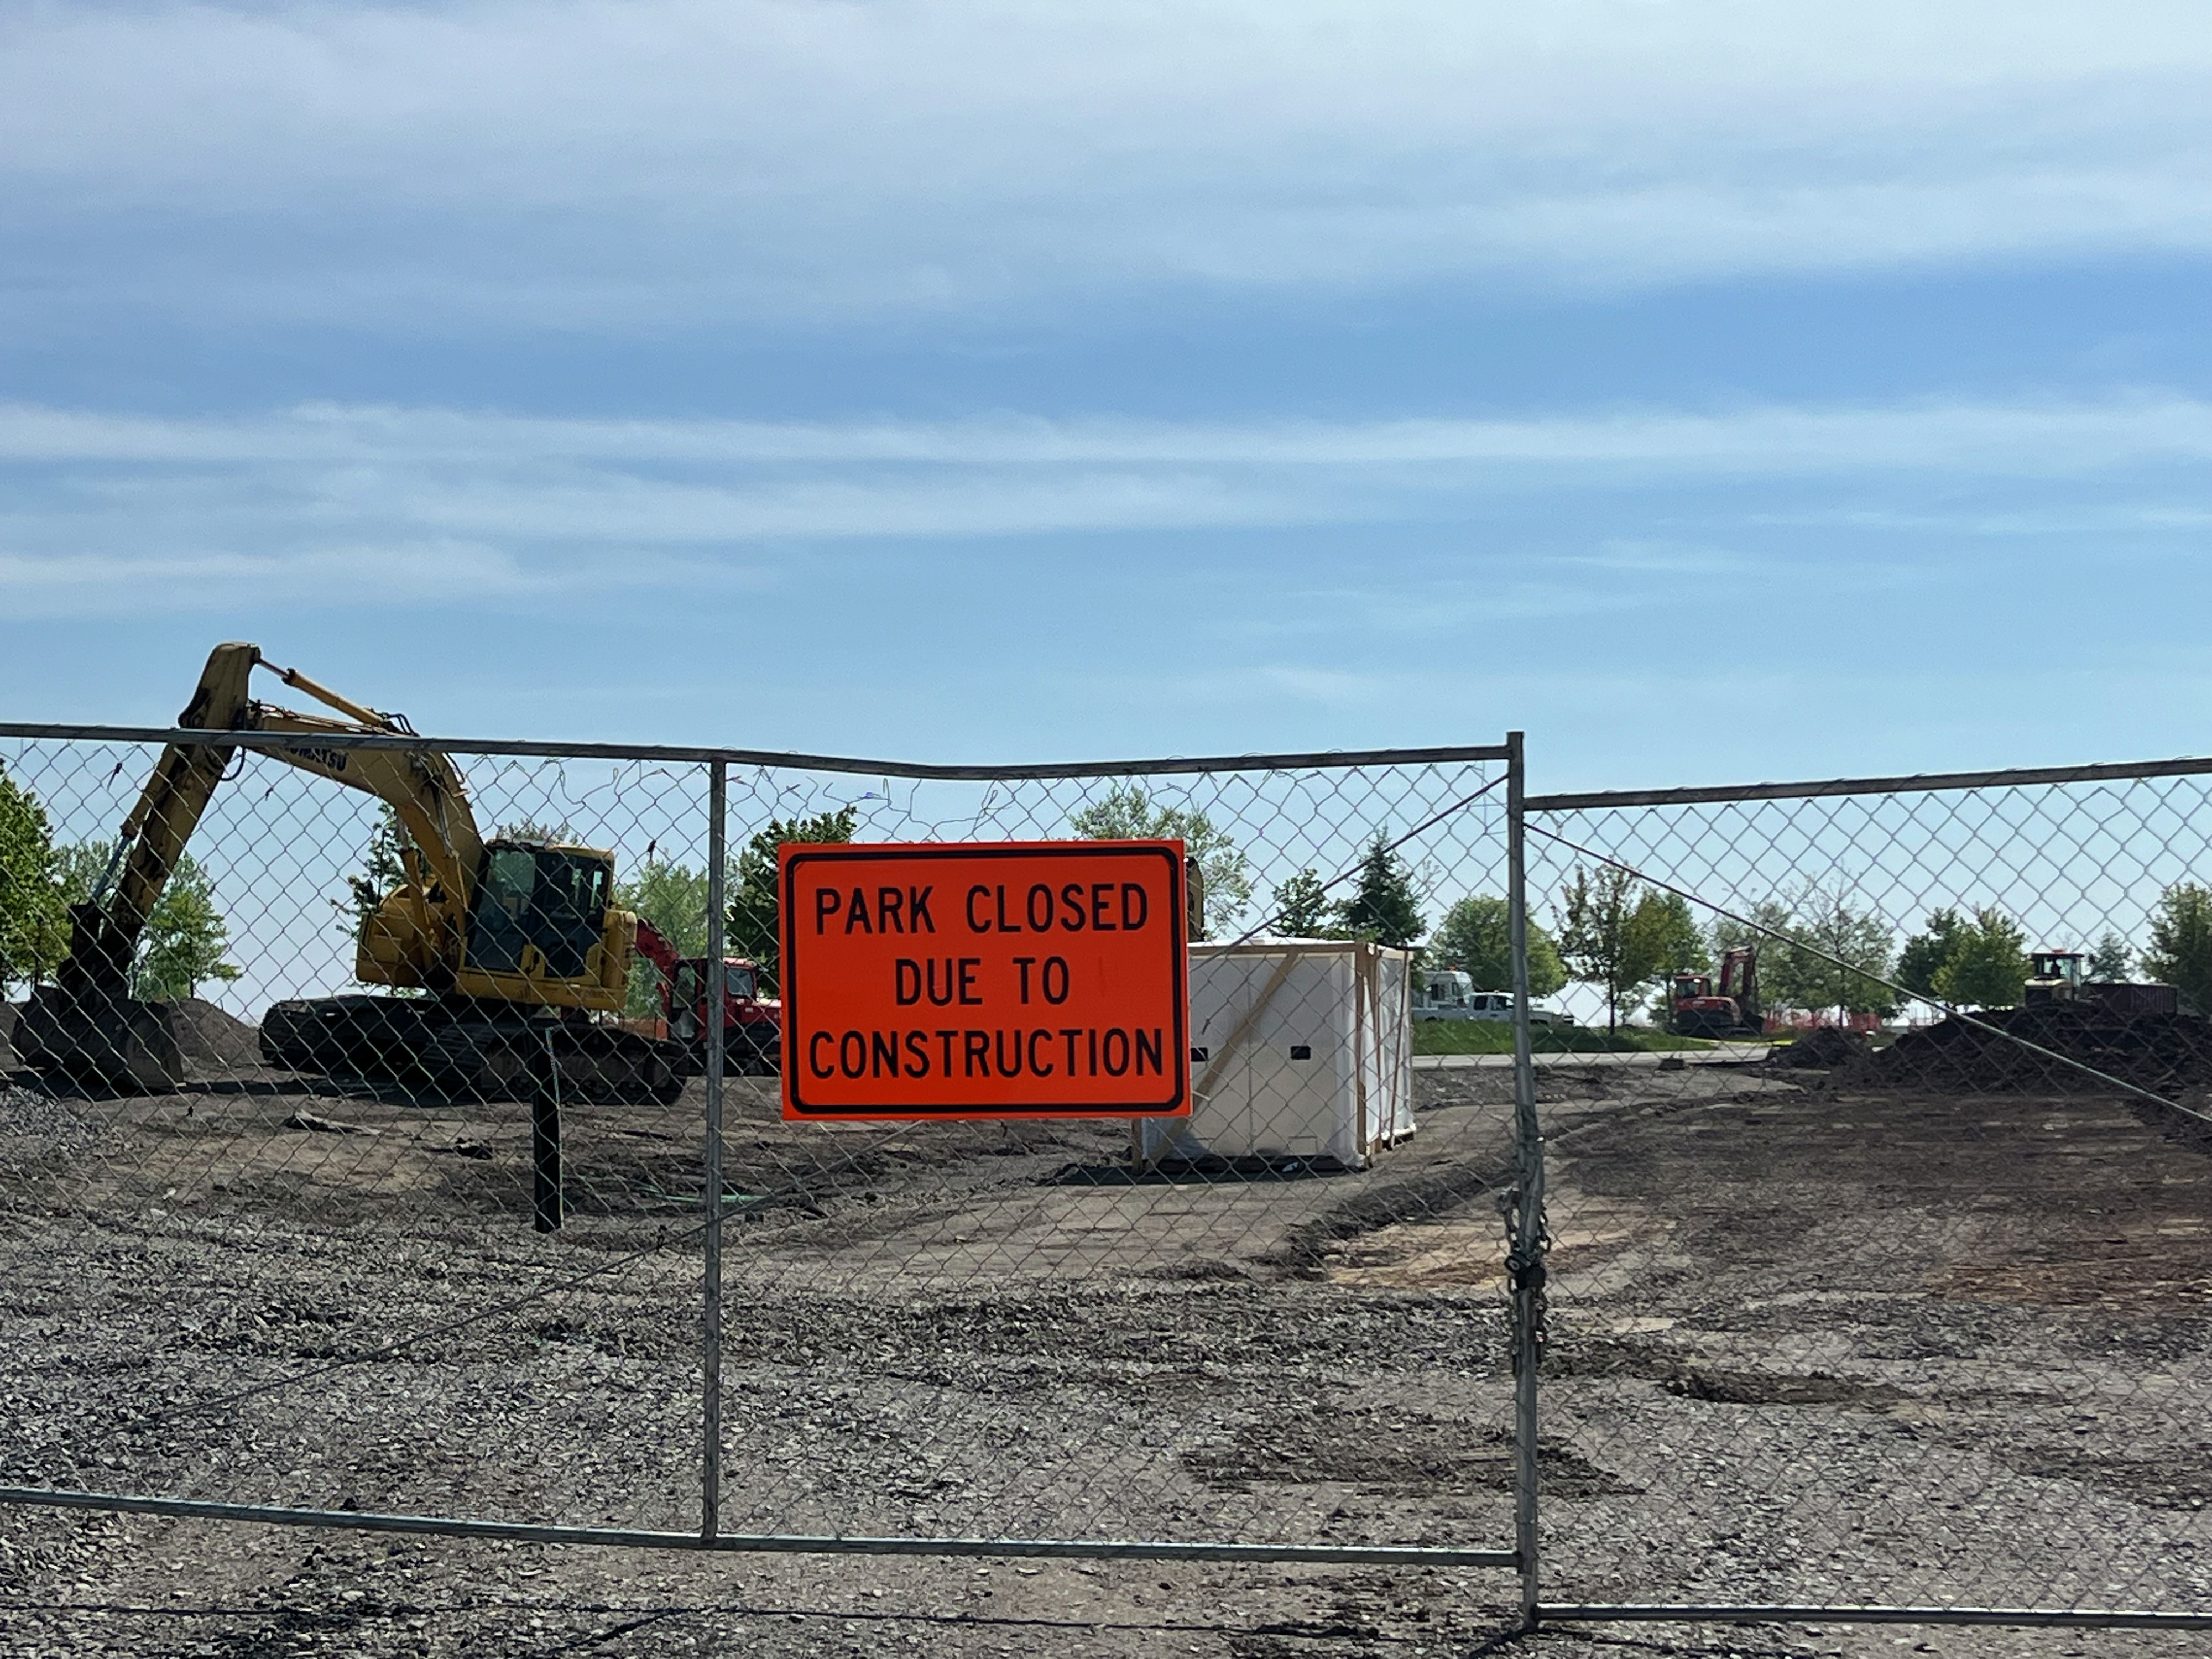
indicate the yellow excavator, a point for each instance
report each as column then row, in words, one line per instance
column 520, row 955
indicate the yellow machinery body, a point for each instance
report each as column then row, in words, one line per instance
column 528, row 926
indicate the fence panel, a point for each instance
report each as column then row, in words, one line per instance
column 294, row 1277
column 1252, row 1330
column 1881, row 1320
column 316, row 1281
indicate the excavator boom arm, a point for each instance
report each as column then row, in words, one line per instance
column 423, row 788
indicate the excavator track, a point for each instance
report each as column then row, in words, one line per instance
column 440, row 1050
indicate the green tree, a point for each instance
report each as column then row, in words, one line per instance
column 1765, row 929
column 1598, row 938
column 1666, row 941
column 78, row 868
column 754, row 908
column 183, row 944
column 1988, row 965
column 1474, row 937
column 1816, row 952
column 34, row 926
column 1302, row 908
column 2180, row 952
column 2108, row 962
column 1383, row 907
column 185, row 937
column 1925, row 953
column 562, row 834
column 1845, row 956
column 383, row 868
column 674, row 898
column 1128, row 813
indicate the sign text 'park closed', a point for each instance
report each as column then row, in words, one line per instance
column 1010, row 979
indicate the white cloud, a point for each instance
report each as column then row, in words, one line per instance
column 37, row 584
column 1987, row 437
column 333, row 505
column 639, row 165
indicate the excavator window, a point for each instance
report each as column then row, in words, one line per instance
column 540, row 895
column 685, row 996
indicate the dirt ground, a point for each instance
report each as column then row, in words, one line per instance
column 1806, row 1344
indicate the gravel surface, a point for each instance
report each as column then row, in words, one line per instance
column 37, row 1131
column 1807, row 1343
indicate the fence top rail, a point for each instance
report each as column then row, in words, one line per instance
column 1911, row 784
column 1318, row 760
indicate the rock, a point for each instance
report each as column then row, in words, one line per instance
column 305, row 1119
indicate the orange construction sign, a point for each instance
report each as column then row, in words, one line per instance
column 1007, row 978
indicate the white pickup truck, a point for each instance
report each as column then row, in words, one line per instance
column 1449, row 994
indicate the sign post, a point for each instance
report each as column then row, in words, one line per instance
column 1007, row 979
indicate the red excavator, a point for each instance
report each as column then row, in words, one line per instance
column 752, row 1024
column 1732, row 1010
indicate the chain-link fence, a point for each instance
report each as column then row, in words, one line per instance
column 358, row 1167
column 1879, row 1244
column 363, row 1163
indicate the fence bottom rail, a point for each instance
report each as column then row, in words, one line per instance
column 1103, row 1549
column 1730, row 1614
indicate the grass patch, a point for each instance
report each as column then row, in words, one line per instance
column 1495, row 1036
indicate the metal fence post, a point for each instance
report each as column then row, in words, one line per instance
column 1525, row 1268
column 710, row 1451
column 548, row 1199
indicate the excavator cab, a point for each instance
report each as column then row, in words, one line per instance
column 539, row 908
column 2053, row 976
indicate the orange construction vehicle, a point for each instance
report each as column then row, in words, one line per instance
column 1699, row 1008
column 752, row 1024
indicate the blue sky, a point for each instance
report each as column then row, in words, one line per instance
column 1713, row 390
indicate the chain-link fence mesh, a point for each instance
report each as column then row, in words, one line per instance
column 1211, row 1329
column 315, row 1263
column 240, row 1269
column 1880, row 1252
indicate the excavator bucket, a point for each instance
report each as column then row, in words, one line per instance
column 116, row 1044
column 88, row 1027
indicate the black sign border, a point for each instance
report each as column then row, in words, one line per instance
column 787, row 933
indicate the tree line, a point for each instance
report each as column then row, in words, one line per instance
column 1817, row 950
column 1380, row 902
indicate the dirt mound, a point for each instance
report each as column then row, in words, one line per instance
column 2163, row 1053
column 210, row 1039
column 1825, row 1046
